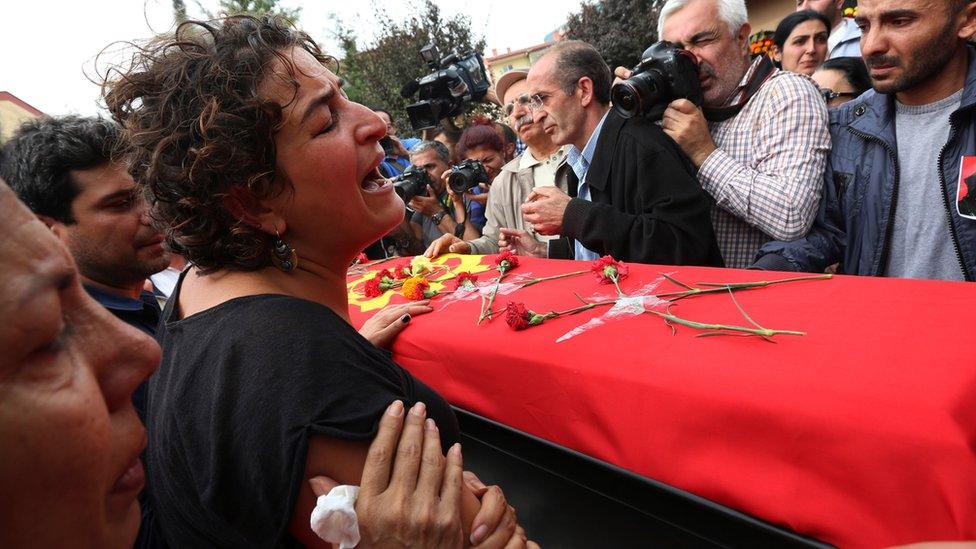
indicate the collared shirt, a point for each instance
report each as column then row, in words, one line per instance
column 580, row 162
column 543, row 171
column 844, row 40
column 142, row 314
column 766, row 175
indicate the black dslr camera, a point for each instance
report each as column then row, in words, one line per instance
column 412, row 182
column 665, row 73
column 454, row 83
column 466, row 176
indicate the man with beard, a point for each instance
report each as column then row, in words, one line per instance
column 760, row 155
column 541, row 165
column 844, row 39
column 892, row 177
column 62, row 169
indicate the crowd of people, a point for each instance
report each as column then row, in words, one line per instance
column 183, row 264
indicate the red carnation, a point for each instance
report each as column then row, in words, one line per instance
column 506, row 261
column 520, row 318
column 465, row 280
column 517, row 316
column 373, row 288
column 608, row 270
column 361, row 258
column 385, row 274
column 403, row 270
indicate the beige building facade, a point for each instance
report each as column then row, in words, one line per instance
column 14, row 112
column 766, row 14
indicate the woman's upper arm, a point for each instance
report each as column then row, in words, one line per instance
column 340, row 460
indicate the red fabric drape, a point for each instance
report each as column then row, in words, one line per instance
column 861, row 433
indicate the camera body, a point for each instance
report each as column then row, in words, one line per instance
column 412, row 182
column 454, row 83
column 466, row 176
column 665, row 73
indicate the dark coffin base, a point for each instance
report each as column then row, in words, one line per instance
column 565, row 499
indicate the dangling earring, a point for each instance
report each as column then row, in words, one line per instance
column 283, row 256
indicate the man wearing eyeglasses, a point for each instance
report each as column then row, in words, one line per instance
column 638, row 199
column 762, row 158
column 542, row 164
column 897, row 186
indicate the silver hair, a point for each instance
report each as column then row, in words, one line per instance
column 733, row 12
column 435, row 146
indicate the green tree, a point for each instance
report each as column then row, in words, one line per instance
column 179, row 10
column 619, row 29
column 375, row 74
column 233, row 7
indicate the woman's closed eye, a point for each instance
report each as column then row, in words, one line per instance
column 330, row 126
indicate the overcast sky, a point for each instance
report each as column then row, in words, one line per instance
column 48, row 46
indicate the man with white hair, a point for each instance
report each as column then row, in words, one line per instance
column 761, row 152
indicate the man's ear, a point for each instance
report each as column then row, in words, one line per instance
column 743, row 37
column 585, row 87
column 47, row 220
column 251, row 211
column 59, row 229
column 967, row 19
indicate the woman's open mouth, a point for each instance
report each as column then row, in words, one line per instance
column 374, row 182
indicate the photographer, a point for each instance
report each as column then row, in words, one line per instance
column 764, row 164
column 480, row 142
column 436, row 208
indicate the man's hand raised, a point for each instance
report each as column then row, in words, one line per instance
column 544, row 209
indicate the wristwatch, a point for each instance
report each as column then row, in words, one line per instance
column 437, row 217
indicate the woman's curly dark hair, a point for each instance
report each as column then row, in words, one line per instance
column 194, row 127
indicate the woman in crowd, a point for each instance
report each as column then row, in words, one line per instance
column 480, row 141
column 71, row 438
column 842, row 79
column 800, row 41
column 263, row 174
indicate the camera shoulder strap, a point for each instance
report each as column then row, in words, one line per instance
column 763, row 71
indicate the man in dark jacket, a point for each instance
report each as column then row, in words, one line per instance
column 638, row 199
column 889, row 205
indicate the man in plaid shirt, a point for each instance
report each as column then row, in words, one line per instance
column 764, row 166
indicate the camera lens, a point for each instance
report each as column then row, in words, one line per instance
column 460, row 182
column 626, row 99
column 636, row 95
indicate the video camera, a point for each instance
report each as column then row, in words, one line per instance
column 412, row 182
column 455, row 82
column 665, row 73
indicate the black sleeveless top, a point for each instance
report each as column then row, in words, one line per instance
column 241, row 388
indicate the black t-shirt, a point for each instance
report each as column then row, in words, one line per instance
column 240, row 389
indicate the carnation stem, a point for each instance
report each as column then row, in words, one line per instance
column 762, row 332
column 486, row 311
column 616, row 284
column 554, row 277
column 581, row 308
column 724, row 287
